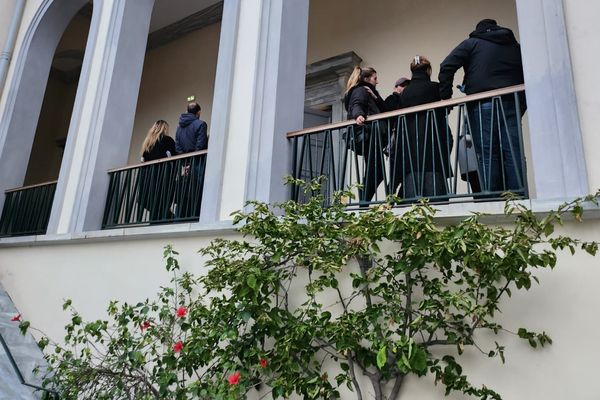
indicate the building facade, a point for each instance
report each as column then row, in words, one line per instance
column 84, row 80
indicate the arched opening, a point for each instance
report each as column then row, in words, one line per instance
column 42, row 89
column 59, row 98
column 179, row 66
column 387, row 35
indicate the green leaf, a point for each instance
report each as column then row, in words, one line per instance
column 251, row 281
column 381, row 357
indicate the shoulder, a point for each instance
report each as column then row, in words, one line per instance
column 359, row 92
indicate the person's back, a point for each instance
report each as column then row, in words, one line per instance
column 491, row 58
column 191, row 131
column 427, row 142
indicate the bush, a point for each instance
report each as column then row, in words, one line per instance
column 313, row 299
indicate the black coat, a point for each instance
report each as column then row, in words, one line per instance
column 164, row 147
column 393, row 101
column 359, row 101
column 491, row 58
column 426, row 143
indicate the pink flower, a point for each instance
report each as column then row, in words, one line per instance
column 145, row 325
column 234, row 378
column 181, row 312
column 177, row 347
column 16, row 318
column 263, row 362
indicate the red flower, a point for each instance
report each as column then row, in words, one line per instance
column 177, row 347
column 181, row 312
column 234, row 378
column 16, row 318
column 263, row 362
column 145, row 325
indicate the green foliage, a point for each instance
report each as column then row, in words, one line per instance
column 371, row 293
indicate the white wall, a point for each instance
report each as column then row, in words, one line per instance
column 564, row 305
column 582, row 18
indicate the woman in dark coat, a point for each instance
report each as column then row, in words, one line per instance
column 425, row 140
column 157, row 182
column 368, row 140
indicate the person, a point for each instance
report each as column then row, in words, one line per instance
column 158, row 144
column 191, row 132
column 426, row 142
column 361, row 100
column 191, row 136
column 491, row 59
column 393, row 102
column 157, row 182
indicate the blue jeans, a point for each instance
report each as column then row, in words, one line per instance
column 495, row 131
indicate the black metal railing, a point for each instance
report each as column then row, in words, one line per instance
column 27, row 209
column 156, row 192
column 47, row 393
column 413, row 153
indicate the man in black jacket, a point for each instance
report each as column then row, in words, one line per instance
column 491, row 59
column 191, row 136
column 191, row 131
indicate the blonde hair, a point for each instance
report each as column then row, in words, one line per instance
column 420, row 63
column 358, row 75
column 159, row 128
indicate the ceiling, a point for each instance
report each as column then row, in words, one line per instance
column 166, row 12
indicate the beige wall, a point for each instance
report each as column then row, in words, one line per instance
column 582, row 18
column 388, row 33
column 564, row 305
column 171, row 73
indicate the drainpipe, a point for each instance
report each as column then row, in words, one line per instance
column 9, row 46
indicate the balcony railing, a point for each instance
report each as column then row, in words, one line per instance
column 156, row 192
column 27, row 209
column 413, row 152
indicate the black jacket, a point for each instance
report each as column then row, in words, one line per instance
column 427, row 141
column 393, row 101
column 191, row 134
column 164, row 147
column 359, row 101
column 491, row 58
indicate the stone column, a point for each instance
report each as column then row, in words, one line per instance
column 264, row 84
column 104, row 112
column 556, row 142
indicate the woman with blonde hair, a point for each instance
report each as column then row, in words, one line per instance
column 158, row 143
column 157, row 182
column 361, row 100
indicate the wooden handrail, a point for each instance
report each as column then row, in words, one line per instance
column 29, row 186
column 158, row 161
column 403, row 111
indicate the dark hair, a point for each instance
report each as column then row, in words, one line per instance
column 485, row 23
column 193, row 107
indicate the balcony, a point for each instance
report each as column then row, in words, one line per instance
column 27, row 209
column 414, row 153
column 156, row 192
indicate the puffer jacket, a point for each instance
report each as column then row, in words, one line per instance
column 359, row 101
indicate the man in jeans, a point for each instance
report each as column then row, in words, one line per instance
column 191, row 136
column 491, row 59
